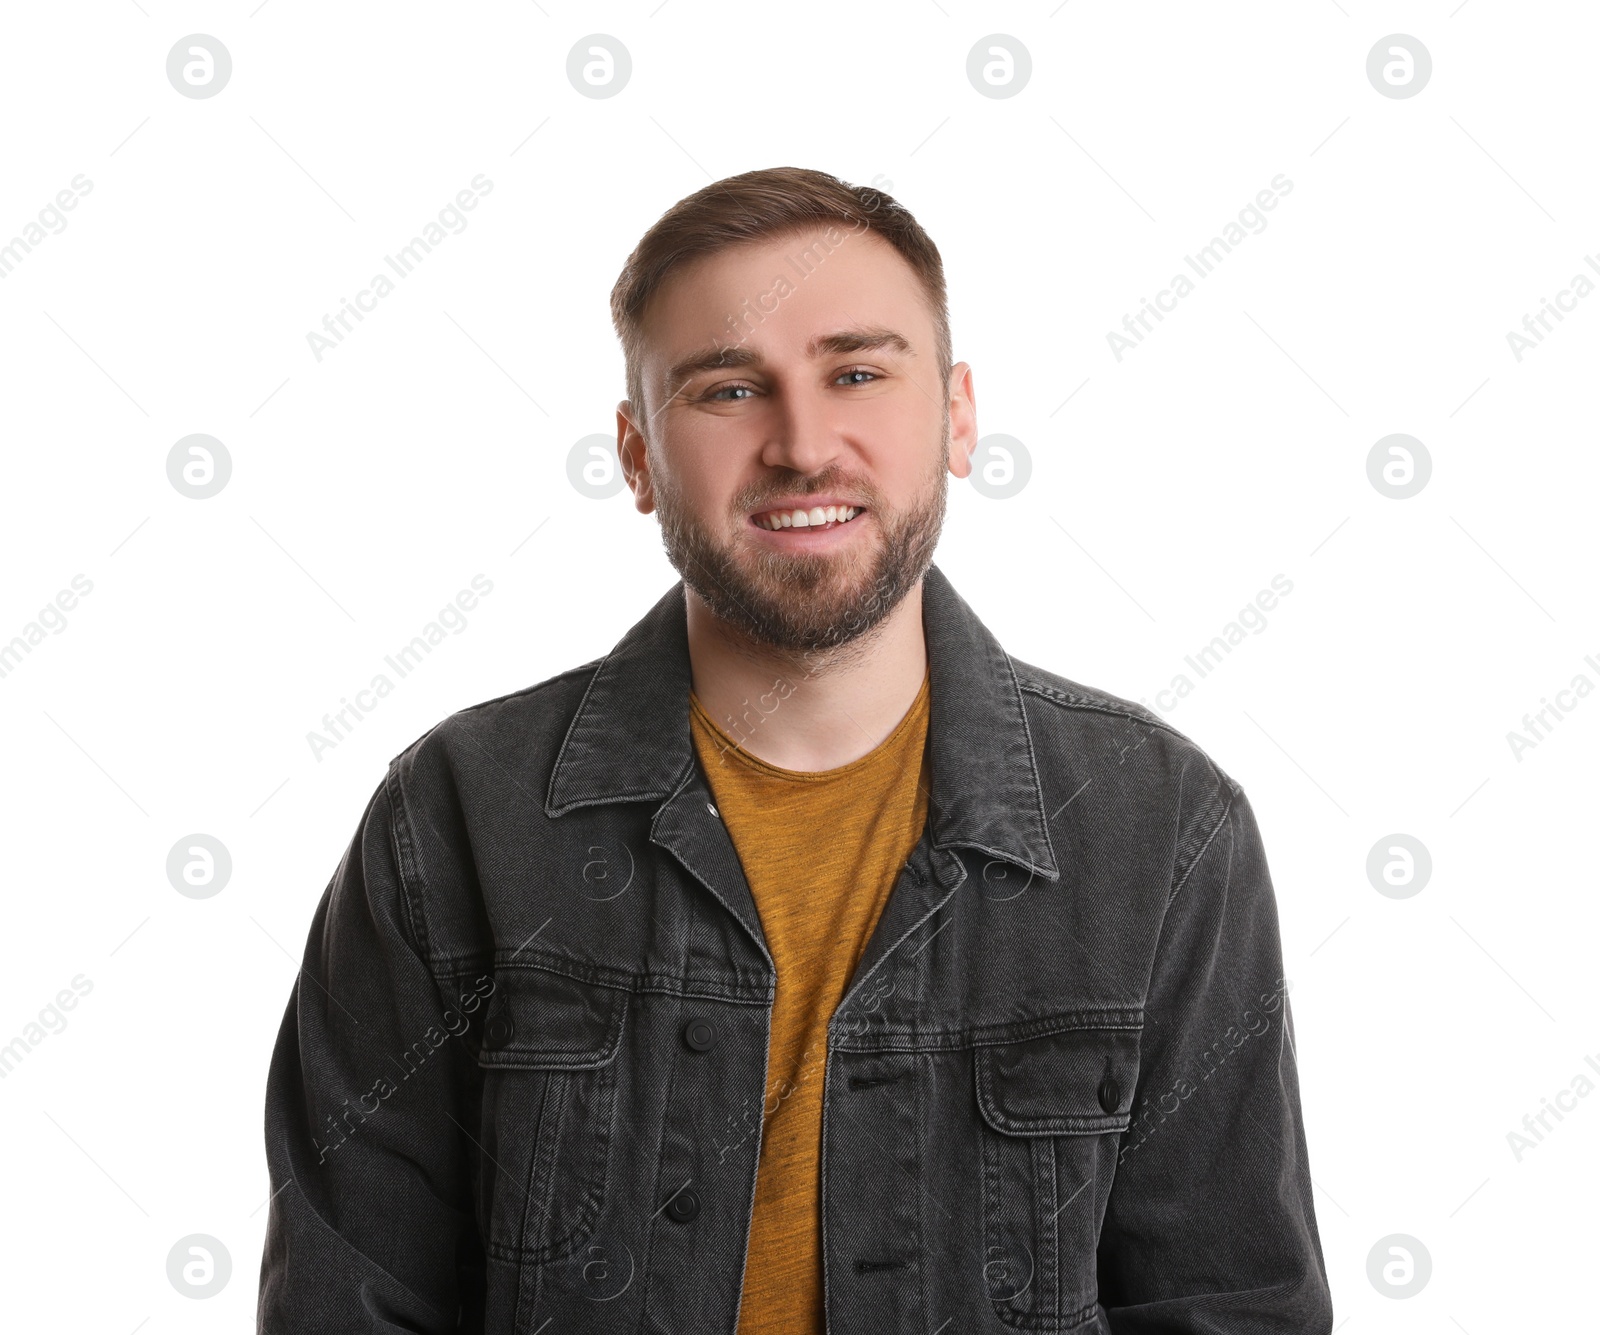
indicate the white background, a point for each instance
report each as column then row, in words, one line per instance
column 1229, row 447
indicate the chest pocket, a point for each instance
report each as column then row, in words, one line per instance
column 1054, row 1108
column 549, row 1062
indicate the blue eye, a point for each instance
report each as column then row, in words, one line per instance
column 720, row 393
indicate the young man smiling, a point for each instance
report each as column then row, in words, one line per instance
column 914, row 997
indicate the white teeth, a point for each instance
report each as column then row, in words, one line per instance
column 829, row 514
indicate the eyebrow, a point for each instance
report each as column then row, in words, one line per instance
column 725, row 356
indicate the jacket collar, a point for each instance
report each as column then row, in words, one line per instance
column 630, row 741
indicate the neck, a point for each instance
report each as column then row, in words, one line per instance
column 808, row 711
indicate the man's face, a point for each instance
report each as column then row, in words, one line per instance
column 797, row 374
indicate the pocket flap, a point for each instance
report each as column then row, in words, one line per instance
column 1072, row 1082
column 537, row 1018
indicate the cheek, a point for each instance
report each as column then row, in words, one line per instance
column 916, row 421
column 704, row 483
column 907, row 457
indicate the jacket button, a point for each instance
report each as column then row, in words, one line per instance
column 699, row 1034
column 497, row 1030
column 1110, row 1094
column 685, row 1205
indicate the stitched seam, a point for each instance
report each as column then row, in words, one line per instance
column 1047, row 1194
column 822, row 1201
column 405, row 856
column 528, row 690
column 991, row 1192
column 1012, row 1031
column 1059, row 1124
column 1033, row 1321
column 562, row 1060
column 1097, row 705
column 498, row 699
column 566, row 739
column 659, row 1158
column 1033, row 765
column 526, row 1297
column 1194, row 862
column 594, row 1188
column 919, row 1109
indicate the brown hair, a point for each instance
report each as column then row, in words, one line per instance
column 758, row 205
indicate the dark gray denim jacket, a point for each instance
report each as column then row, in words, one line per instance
column 520, row 1083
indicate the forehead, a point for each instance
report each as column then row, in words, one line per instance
column 777, row 294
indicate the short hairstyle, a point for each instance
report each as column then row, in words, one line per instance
column 759, row 205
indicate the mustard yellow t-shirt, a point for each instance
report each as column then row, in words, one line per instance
column 821, row 851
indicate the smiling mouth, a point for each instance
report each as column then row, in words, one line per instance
column 821, row 516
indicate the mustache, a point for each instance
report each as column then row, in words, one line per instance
column 816, row 487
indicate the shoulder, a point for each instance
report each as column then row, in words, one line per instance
column 519, row 732
column 458, row 792
column 1087, row 736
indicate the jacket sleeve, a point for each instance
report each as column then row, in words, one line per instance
column 1209, row 1225
column 364, row 1124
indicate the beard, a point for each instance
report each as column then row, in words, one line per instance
column 807, row 603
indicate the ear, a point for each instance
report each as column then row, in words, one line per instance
column 963, row 420
column 634, row 458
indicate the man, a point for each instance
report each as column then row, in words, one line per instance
column 807, row 963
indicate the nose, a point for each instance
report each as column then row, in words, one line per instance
column 800, row 433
